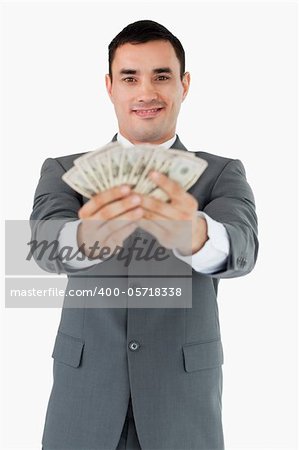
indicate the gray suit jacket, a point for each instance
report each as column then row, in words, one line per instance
column 175, row 375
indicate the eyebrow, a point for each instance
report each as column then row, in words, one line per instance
column 134, row 72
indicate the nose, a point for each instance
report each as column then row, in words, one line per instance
column 147, row 92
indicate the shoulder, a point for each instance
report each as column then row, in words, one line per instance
column 60, row 163
column 217, row 160
column 66, row 162
column 212, row 159
column 216, row 163
column 220, row 171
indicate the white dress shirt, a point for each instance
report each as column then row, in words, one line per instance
column 211, row 258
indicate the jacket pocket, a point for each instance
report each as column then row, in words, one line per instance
column 68, row 349
column 199, row 356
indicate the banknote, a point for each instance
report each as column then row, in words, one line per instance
column 76, row 181
column 114, row 164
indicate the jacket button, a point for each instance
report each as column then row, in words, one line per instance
column 241, row 261
column 134, row 345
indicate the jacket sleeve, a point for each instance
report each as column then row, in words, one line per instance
column 55, row 204
column 232, row 203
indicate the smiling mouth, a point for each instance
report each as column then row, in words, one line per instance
column 147, row 113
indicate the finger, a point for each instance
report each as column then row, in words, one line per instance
column 103, row 198
column 176, row 193
column 117, row 208
column 125, row 219
column 117, row 238
column 172, row 188
column 169, row 238
column 157, row 231
column 165, row 210
column 171, row 227
column 100, row 230
column 182, row 221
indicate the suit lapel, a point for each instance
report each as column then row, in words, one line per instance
column 178, row 144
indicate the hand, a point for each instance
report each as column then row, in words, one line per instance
column 169, row 222
column 108, row 219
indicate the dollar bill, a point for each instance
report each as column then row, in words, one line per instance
column 77, row 182
column 114, row 164
column 184, row 170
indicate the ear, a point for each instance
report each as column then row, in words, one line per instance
column 186, row 84
column 108, row 82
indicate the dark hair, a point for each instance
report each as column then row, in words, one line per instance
column 145, row 31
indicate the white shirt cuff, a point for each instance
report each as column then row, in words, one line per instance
column 212, row 257
column 68, row 238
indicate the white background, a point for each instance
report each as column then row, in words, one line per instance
column 241, row 104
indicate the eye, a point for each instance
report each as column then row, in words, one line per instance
column 129, row 80
column 162, row 78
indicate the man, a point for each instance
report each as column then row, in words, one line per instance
column 150, row 378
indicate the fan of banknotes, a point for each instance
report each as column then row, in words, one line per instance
column 115, row 164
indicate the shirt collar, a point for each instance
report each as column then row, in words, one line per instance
column 126, row 143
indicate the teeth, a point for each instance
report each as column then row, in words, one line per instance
column 148, row 111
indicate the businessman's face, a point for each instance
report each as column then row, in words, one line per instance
column 147, row 91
